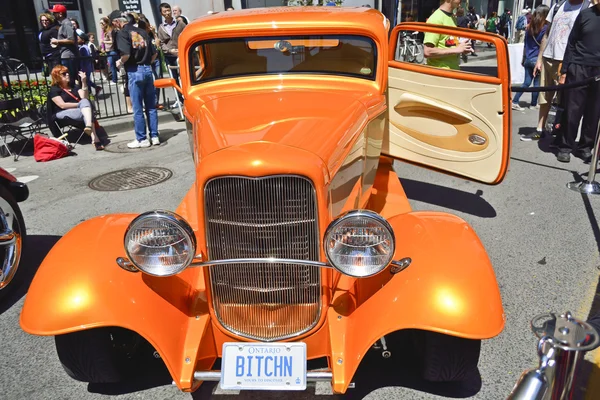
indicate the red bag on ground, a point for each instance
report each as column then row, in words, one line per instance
column 48, row 149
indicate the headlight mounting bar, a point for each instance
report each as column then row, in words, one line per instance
column 127, row 265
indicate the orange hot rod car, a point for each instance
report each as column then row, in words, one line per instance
column 296, row 241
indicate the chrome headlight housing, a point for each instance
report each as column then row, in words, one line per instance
column 360, row 243
column 160, row 243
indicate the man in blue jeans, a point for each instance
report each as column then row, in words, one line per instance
column 137, row 55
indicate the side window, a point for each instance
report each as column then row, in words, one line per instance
column 443, row 51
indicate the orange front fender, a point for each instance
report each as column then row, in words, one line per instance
column 450, row 287
column 80, row 286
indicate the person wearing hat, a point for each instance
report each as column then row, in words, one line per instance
column 66, row 41
column 86, row 64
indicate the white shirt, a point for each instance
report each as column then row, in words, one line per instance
column 561, row 27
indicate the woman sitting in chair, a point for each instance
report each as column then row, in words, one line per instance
column 73, row 102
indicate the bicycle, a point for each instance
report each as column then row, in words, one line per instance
column 12, row 66
column 410, row 48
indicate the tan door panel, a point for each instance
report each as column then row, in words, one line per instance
column 450, row 124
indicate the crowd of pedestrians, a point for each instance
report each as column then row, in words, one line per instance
column 561, row 47
column 130, row 50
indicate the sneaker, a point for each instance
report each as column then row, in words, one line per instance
column 536, row 107
column 155, row 141
column 517, row 107
column 563, row 156
column 532, row 136
column 136, row 144
column 474, row 54
column 98, row 90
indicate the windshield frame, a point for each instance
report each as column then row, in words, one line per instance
column 367, row 39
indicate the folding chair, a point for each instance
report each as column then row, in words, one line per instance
column 18, row 124
column 60, row 128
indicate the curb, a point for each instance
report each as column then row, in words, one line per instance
column 124, row 123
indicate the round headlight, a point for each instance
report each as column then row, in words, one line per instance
column 361, row 243
column 160, row 243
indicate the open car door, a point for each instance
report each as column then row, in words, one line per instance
column 453, row 120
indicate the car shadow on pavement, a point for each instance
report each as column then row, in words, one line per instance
column 167, row 134
column 36, row 249
column 458, row 200
column 374, row 372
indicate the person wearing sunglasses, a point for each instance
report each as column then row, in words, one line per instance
column 72, row 101
column 48, row 31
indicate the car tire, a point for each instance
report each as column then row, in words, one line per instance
column 14, row 217
column 101, row 355
column 448, row 358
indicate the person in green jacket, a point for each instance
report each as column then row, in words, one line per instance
column 443, row 51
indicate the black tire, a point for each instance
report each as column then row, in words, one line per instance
column 14, row 217
column 448, row 358
column 101, row 355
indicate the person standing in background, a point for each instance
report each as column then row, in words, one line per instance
column 521, row 26
column 552, row 50
column 531, row 49
column 87, row 62
column 581, row 62
column 157, row 63
column 66, row 41
column 49, row 31
column 168, row 34
column 442, row 51
column 137, row 55
column 107, row 47
column 178, row 15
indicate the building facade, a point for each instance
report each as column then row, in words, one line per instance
column 19, row 25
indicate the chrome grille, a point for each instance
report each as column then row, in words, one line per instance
column 257, row 218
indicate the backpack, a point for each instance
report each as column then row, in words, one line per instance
column 503, row 20
column 48, row 149
column 472, row 20
column 521, row 23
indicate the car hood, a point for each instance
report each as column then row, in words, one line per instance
column 321, row 122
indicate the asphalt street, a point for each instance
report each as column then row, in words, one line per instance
column 543, row 241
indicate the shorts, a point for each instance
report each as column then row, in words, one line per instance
column 550, row 75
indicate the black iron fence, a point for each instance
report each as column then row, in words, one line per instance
column 107, row 89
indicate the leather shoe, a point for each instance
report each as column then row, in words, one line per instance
column 563, row 156
column 585, row 154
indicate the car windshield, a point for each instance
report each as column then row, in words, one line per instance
column 353, row 56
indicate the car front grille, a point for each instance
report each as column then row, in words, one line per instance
column 272, row 216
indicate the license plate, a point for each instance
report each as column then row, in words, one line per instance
column 263, row 366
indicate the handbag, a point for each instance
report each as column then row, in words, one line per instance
column 47, row 149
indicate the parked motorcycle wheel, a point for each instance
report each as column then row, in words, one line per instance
column 15, row 223
column 447, row 358
column 102, row 355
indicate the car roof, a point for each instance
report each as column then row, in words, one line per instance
column 340, row 20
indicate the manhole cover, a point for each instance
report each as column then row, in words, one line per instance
column 131, row 178
column 121, row 147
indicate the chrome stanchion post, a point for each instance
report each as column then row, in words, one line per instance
column 589, row 186
column 563, row 341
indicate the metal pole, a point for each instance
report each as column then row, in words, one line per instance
column 589, row 186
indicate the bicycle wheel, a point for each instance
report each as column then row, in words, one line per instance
column 17, row 68
column 419, row 56
column 410, row 55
